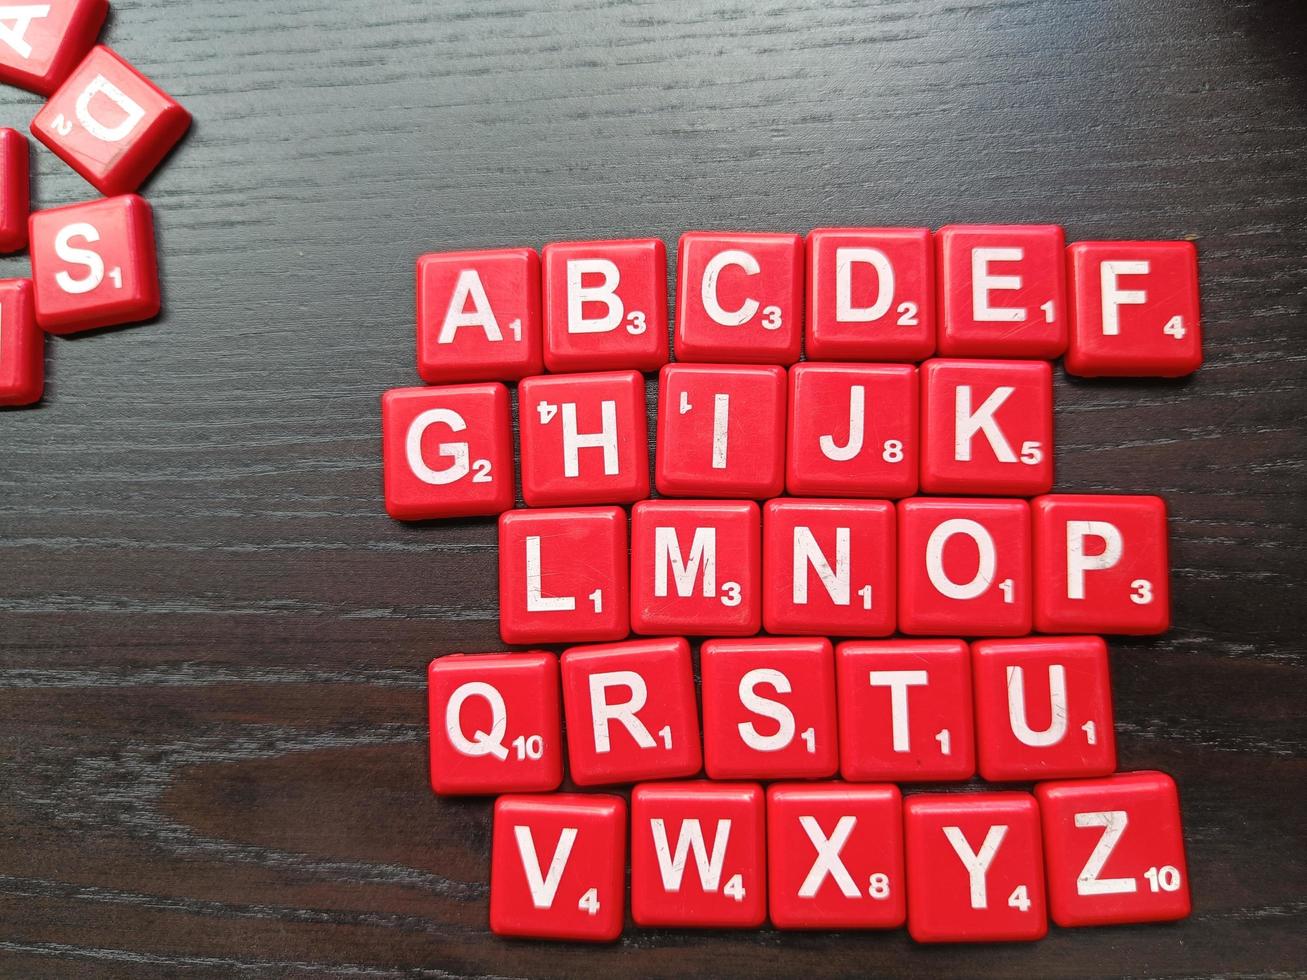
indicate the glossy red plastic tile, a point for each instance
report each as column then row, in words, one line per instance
column 986, row 427
column 698, row 855
column 1101, row 564
column 853, row 430
column 1136, row 309
column 605, row 305
column 1002, row 291
column 696, row 567
column 964, row 567
column 1043, row 708
column 583, row 439
column 22, row 346
column 94, row 264
column 446, row 452
column 975, row 868
column 835, row 856
column 40, row 44
column 478, row 315
column 721, row 431
column 739, row 297
column 563, row 575
column 631, row 712
column 828, row 567
column 871, row 294
column 495, row 723
column 1115, row 850
column 15, row 189
column 768, row 708
column 905, row 710
column 558, row 867
column 110, row 123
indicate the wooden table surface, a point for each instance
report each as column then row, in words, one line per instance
column 212, row 639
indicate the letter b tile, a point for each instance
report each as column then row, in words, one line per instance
column 605, row 305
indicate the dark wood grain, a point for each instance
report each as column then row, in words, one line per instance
column 212, row 639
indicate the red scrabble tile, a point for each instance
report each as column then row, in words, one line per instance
column 94, row 264
column 40, row 44
column 768, row 708
column 583, row 439
column 446, row 452
column 1043, row 708
column 964, row 567
column 15, row 190
column 721, row 431
column 557, row 867
column 1115, row 850
column 905, row 711
column 1002, row 291
column 563, row 575
column 110, row 123
column 22, row 346
column 631, row 712
column 495, row 723
column 835, row 856
column 871, row 294
column 828, row 567
column 739, row 297
column 478, row 315
column 1101, row 564
column 698, row 855
column 853, row 430
column 696, row 568
column 1136, row 309
column 605, row 305
column 986, row 427
column 975, row 868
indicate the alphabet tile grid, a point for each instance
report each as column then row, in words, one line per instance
column 888, row 588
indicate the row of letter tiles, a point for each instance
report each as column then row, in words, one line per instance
column 932, row 566
column 753, row 432
column 967, row 867
column 773, row 708
column 868, row 294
